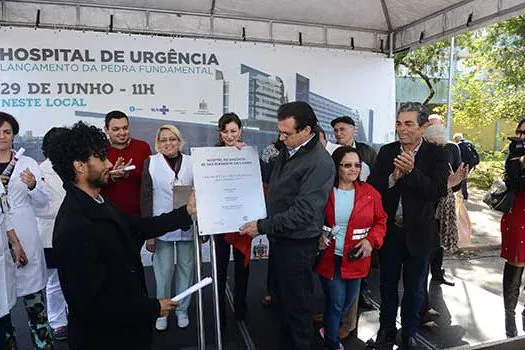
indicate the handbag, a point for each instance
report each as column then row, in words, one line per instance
column 499, row 197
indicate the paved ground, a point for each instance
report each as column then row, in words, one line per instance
column 485, row 222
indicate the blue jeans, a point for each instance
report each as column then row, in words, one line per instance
column 339, row 295
column 163, row 266
column 393, row 256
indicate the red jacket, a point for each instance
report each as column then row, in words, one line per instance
column 368, row 213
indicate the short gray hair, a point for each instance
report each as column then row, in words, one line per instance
column 436, row 134
column 457, row 135
column 422, row 111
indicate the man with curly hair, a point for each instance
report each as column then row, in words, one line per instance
column 97, row 249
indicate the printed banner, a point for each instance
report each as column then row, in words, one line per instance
column 55, row 78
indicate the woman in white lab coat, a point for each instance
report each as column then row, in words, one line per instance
column 162, row 171
column 7, row 274
column 24, row 191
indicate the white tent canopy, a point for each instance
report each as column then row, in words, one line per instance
column 371, row 25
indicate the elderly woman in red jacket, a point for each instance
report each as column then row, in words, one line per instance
column 356, row 214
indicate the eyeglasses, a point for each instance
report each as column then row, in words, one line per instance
column 520, row 132
column 350, row 165
column 170, row 139
column 287, row 134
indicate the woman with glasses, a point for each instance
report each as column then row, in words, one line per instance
column 355, row 213
column 162, row 172
column 230, row 132
column 513, row 230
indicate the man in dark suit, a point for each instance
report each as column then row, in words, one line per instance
column 97, row 249
column 411, row 175
column 299, row 183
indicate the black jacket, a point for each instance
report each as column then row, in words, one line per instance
column 299, row 187
column 514, row 173
column 367, row 153
column 420, row 190
column 454, row 159
column 97, row 250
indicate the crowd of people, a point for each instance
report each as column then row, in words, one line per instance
column 73, row 228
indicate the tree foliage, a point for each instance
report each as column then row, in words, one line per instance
column 427, row 62
column 493, row 86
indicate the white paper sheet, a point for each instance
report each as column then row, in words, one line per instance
column 228, row 188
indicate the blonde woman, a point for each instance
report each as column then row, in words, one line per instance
column 162, row 171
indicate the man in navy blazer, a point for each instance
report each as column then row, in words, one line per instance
column 411, row 175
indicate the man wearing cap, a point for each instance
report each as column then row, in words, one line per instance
column 331, row 147
column 344, row 131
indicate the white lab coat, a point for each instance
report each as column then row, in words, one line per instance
column 32, row 277
column 7, row 266
column 46, row 215
column 163, row 180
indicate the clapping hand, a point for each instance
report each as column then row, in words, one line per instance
column 455, row 178
column 28, row 178
column 117, row 172
column 404, row 162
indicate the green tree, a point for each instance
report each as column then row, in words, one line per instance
column 493, row 86
column 428, row 62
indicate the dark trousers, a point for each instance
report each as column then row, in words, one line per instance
column 464, row 189
column 241, row 276
column 294, row 261
column 271, row 284
column 436, row 262
column 4, row 321
column 393, row 256
column 7, row 333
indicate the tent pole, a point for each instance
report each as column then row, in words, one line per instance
column 450, row 78
column 200, row 303
column 390, row 44
column 218, row 333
